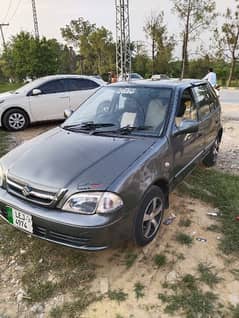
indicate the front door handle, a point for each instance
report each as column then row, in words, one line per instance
column 64, row 97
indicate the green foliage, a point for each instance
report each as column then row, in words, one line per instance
column 225, row 189
column 207, row 275
column 139, row 290
column 184, row 239
column 194, row 16
column 117, row 295
column 162, row 45
column 130, row 258
column 26, row 56
column 186, row 296
column 160, row 260
column 185, row 222
column 96, row 46
column 235, row 311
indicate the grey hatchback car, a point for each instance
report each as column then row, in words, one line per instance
column 104, row 176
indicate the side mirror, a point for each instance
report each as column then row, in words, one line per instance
column 187, row 127
column 68, row 113
column 36, row 92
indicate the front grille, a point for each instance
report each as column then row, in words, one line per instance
column 33, row 193
column 60, row 237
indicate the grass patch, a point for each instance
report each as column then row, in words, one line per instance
column 75, row 308
column 207, row 275
column 184, row 239
column 187, row 298
column 4, row 87
column 41, row 291
column 160, row 260
column 130, row 258
column 224, row 189
column 139, row 290
column 235, row 311
column 185, row 222
column 48, row 269
column 117, row 295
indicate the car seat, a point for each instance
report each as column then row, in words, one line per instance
column 155, row 113
column 132, row 114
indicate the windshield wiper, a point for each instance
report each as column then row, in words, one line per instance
column 90, row 125
column 122, row 130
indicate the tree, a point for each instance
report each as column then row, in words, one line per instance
column 95, row 45
column 162, row 45
column 26, row 56
column 228, row 39
column 194, row 15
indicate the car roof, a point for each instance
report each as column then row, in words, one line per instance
column 62, row 76
column 169, row 83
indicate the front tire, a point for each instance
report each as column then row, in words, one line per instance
column 15, row 119
column 149, row 217
column 211, row 159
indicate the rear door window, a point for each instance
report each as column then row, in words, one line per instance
column 80, row 84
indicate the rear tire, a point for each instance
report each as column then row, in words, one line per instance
column 211, row 159
column 149, row 217
column 15, row 119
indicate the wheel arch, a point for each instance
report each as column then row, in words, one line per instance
column 15, row 107
column 163, row 184
column 220, row 132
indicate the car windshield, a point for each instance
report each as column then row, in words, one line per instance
column 142, row 108
column 28, row 86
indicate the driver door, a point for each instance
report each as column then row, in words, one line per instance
column 186, row 147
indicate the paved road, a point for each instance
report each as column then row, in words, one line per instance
column 229, row 96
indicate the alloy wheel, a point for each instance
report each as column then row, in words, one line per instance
column 152, row 217
column 16, row 121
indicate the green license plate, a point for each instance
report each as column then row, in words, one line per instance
column 19, row 219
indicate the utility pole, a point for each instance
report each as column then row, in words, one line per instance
column 34, row 11
column 1, row 30
column 123, row 52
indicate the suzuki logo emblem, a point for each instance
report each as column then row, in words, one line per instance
column 26, row 191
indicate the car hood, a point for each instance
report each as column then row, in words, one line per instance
column 5, row 95
column 64, row 159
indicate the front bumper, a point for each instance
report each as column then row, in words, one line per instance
column 86, row 232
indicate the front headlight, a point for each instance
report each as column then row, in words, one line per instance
column 1, row 176
column 93, row 202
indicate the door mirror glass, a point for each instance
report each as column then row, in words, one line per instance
column 68, row 113
column 36, row 91
column 187, row 126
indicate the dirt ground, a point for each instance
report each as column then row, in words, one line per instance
column 113, row 274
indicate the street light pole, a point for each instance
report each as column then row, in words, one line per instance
column 1, row 30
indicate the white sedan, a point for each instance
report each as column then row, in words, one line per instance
column 45, row 99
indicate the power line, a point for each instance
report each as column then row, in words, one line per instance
column 17, row 7
column 9, row 6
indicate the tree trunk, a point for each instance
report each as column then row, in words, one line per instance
column 185, row 42
column 232, row 68
column 153, row 57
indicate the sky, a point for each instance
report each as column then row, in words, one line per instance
column 54, row 14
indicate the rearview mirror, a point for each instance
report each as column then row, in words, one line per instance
column 36, row 92
column 68, row 113
column 187, row 127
